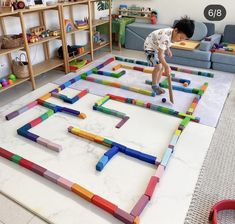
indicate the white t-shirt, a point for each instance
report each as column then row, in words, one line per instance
column 158, row 39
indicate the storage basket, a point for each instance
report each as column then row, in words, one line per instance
column 12, row 41
column 20, row 67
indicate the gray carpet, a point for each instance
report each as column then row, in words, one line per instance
column 216, row 181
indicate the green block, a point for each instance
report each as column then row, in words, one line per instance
column 107, row 141
column 44, row 116
column 139, row 103
column 102, row 101
column 16, row 159
column 185, row 121
column 95, row 70
column 200, row 92
column 83, row 75
column 116, row 75
column 195, row 91
column 50, row 113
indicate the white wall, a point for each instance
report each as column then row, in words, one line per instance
column 169, row 10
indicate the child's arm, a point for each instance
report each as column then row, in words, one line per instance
column 163, row 62
column 169, row 53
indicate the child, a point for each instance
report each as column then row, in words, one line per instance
column 153, row 17
column 160, row 41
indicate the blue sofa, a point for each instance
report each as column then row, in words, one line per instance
column 136, row 34
column 200, row 57
column 225, row 62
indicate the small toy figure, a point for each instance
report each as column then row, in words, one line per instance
column 153, row 17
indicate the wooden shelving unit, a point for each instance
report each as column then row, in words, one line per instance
column 129, row 13
column 51, row 62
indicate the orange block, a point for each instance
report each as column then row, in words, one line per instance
column 137, row 220
column 194, row 105
column 45, row 97
column 82, row 192
column 99, row 139
column 204, row 87
column 82, row 115
column 116, row 67
column 115, row 84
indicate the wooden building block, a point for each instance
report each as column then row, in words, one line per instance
column 82, row 192
column 104, row 204
column 160, row 171
column 140, row 205
column 151, row 186
column 65, row 183
column 51, row 176
column 124, row 216
column 38, row 169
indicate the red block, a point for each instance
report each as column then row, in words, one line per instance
column 118, row 98
column 35, row 122
column 83, row 93
column 104, row 204
column 151, row 186
column 6, row 154
column 26, row 164
column 138, row 68
column 108, row 61
column 38, row 169
column 148, row 105
column 90, row 79
column 40, row 102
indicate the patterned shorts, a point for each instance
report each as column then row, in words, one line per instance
column 152, row 57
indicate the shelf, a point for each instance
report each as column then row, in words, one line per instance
column 7, row 51
column 75, row 3
column 99, row 22
column 46, row 66
column 97, row 47
column 79, row 55
column 17, row 82
column 129, row 10
column 77, row 30
column 43, row 40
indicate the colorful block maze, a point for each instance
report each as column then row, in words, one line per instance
column 114, row 148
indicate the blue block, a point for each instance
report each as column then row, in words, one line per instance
column 107, row 73
column 147, row 158
column 57, row 109
column 74, row 99
column 70, row 111
column 22, row 132
column 121, row 148
column 111, row 152
column 26, row 127
column 73, row 80
column 102, row 163
column 133, row 153
column 67, row 84
column 32, row 136
column 166, row 157
column 62, row 86
column 77, row 78
column 54, row 91
column 89, row 72
column 188, row 90
column 100, row 66
column 174, row 140
column 94, row 107
column 125, row 87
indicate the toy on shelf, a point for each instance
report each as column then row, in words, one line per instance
column 81, row 24
column 37, row 30
column 54, row 33
column 153, row 17
column 77, row 64
column 98, row 40
column 224, row 48
column 6, row 6
column 45, row 34
column 7, row 81
column 69, row 26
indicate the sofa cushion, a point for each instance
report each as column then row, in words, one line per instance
column 223, row 58
column 223, row 67
column 195, row 54
column 210, row 27
column 200, row 31
column 229, row 34
column 144, row 29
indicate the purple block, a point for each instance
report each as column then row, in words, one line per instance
column 55, row 147
column 171, row 146
column 70, row 111
column 51, row 176
column 140, row 205
column 12, row 115
column 38, row 169
column 124, row 216
column 65, row 183
column 23, row 109
column 32, row 136
column 42, row 141
column 122, row 122
column 32, row 104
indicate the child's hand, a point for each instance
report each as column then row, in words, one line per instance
column 169, row 53
column 167, row 70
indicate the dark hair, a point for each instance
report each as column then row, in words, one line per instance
column 154, row 12
column 186, row 26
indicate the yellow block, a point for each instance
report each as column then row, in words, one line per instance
column 59, row 89
column 116, row 67
column 127, row 66
column 82, row 192
column 178, row 132
column 45, row 97
column 99, row 139
column 147, row 70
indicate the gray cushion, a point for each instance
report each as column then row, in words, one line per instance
column 195, row 54
column 223, row 58
column 200, row 31
column 210, row 28
column 134, row 41
column 229, row 34
column 189, row 62
column 144, row 29
column 223, row 67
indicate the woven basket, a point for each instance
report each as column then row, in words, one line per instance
column 20, row 67
column 12, row 41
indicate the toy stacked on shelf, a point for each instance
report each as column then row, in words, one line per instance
column 114, row 147
column 224, row 48
column 69, row 26
column 4, row 82
column 81, row 24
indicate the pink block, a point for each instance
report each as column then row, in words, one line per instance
column 124, row 216
column 32, row 104
column 160, row 171
column 42, row 141
column 65, row 183
column 140, row 205
column 54, row 146
column 51, row 176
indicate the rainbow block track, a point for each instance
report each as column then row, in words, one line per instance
column 114, row 148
